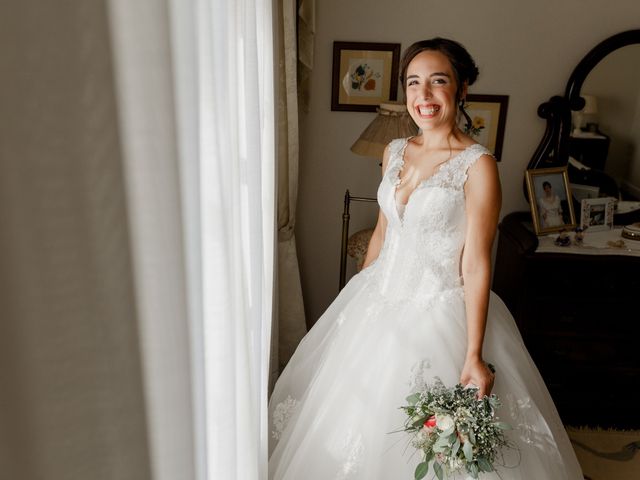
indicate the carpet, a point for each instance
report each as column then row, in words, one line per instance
column 607, row 454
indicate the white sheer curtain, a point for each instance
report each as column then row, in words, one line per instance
column 195, row 91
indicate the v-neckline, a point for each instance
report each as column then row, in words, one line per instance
column 399, row 168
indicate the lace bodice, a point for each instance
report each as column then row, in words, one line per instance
column 423, row 244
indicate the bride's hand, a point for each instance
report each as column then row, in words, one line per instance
column 477, row 372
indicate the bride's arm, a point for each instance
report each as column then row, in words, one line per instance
column 483, row 199
column 377, row 238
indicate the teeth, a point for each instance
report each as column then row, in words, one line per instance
column 428, row 110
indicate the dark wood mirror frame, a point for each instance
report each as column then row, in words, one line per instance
column 553, row 150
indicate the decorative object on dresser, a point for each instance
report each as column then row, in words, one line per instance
column 597, row 213
column 632, row 232
column 550, row 200
column 577, row 314
column 364, row 75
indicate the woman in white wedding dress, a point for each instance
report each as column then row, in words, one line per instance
column 421, row 308
column 550, row 207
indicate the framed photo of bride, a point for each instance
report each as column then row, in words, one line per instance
column 550, row 200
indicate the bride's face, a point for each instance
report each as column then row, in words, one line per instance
column 431, row 91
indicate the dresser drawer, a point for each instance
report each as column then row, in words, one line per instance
column 569, row 353
column 601, row 317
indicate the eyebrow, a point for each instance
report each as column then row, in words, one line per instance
column 435, row 74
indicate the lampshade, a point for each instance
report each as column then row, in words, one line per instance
column 590, row 105
column 392, row 121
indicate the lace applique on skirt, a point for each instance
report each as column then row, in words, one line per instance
column 281, row 415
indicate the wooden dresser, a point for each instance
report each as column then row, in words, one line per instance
column 579, row 316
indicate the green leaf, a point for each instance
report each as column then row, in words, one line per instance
column 429, row 456
column 413, row 399
column 419, row 422
column 468, row 451
column 421, row 470
column 455, row 448
column 472, row 436
column 438, row 469
column 442, row 443
column 502, row 425
column 473, row 470
column 484, row 465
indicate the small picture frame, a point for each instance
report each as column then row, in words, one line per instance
column 488, row 116
column 597, row 213
column 364, row 75
column 550, row 200
column 580, row 192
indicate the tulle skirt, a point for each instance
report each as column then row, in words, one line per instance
column 334, row 413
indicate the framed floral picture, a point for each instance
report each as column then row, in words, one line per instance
column 597, row 213
column 550, row 200
column 364, row 75
column 488, row 118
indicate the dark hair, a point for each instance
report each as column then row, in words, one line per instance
column 464, row 67
column 546, row 184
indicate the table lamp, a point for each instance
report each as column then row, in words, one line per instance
column 590, row 110
column 392, row 121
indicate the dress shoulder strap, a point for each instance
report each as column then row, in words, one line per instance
column 471, row 156
column 396, row 147
column 453, row 174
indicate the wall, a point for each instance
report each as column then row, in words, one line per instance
column 71, row 406
column 526, row 50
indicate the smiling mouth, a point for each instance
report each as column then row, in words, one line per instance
column 428, row 110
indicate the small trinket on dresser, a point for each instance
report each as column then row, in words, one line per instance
column 616, row 244
column 578, row 238
column 563, row 240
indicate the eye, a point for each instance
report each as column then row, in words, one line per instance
column 412, row 82
column 439, row 81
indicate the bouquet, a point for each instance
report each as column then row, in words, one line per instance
column 454, row 430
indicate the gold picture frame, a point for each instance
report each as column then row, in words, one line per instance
column 364, row 75
column 489, row 117
column 550, row 200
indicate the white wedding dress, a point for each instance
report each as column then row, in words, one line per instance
column 397, row 323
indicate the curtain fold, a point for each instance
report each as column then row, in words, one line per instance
column 141, row 42
column 216, row 149
column 291, row 318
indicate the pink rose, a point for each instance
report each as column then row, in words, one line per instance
column 430, row 423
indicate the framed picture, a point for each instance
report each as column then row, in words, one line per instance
column 488, row 116
column 580, row 192
column 364, row 75
column 550, row 200
column 597, row 213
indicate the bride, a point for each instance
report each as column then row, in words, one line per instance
column 420, row 309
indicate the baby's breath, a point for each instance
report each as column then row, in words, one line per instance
column 454, row 430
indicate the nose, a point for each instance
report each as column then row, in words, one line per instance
column 426, row 91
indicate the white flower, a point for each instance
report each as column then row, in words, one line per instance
column 444, row 422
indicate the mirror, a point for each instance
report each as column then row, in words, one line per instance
column 614, row 83
column 610, row 72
